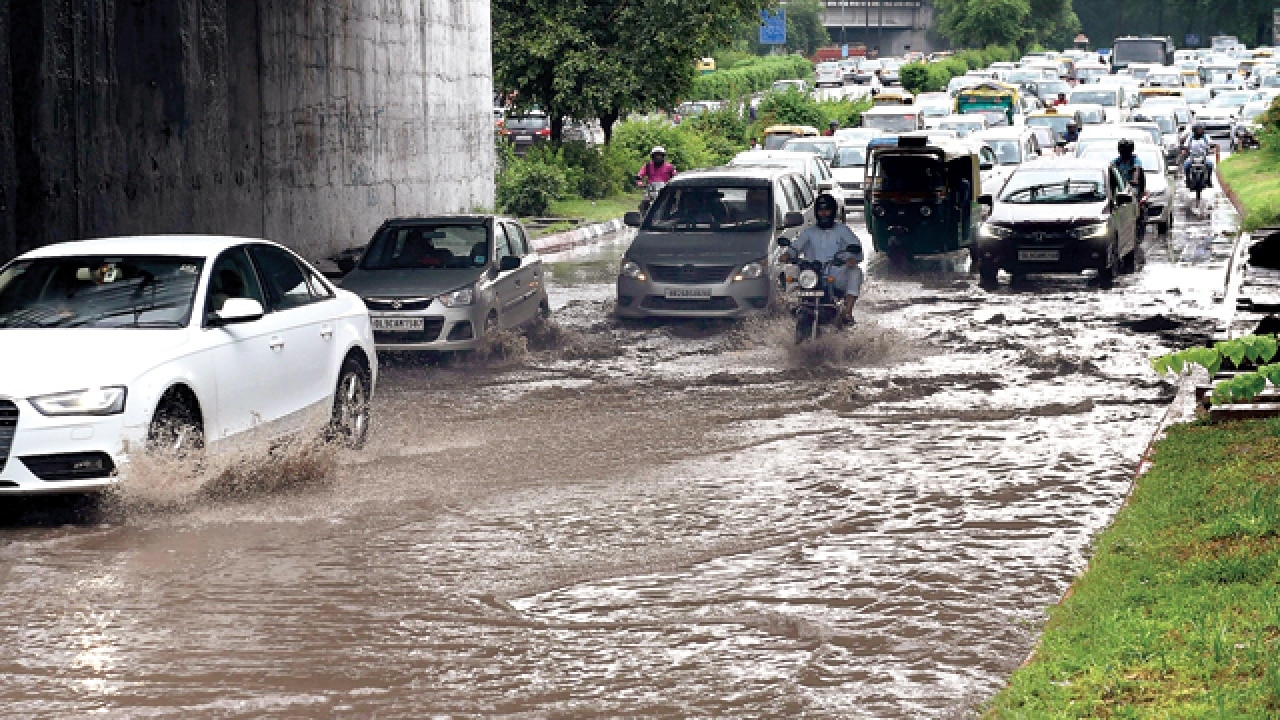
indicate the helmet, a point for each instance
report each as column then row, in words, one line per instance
column 1125, row 146
column 1198, row 129
column 834, row 123
column 825, row 202
column 658, row 150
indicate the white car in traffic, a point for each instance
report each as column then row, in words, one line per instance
column 170, row 343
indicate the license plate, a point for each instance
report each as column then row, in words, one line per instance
column 810, row 293
column 524, row 137
column 1038, row 255
column 693, row 293
column 396, row 324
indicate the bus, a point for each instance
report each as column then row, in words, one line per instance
column 1148, row 49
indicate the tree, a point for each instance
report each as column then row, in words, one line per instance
column 603, row 58
column 805, row 31
column 979, row 23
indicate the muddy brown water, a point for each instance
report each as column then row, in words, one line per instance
column 613, row 519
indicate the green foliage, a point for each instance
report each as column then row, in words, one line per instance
column 1104, row 20
column 724, row 131
column 914, row 77
column 805, row 29
column 934, row 76
column 792, row 107
column 686, row 148
column 530, row 184
column 600, row 173
column 1249, row 351
column 749, row 76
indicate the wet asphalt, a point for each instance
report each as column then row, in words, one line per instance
column 637, row 519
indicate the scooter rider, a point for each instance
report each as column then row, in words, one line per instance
column 1198, row 144
column 657, row 170
column 828, row 240
column 1130, row 168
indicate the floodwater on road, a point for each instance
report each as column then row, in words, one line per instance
column 625, row 519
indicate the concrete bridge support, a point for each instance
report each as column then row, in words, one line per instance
column 307, row 123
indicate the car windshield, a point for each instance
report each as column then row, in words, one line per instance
column 1196, row 96
column 1252, row 112
column 428, row 247
column 533, row 122
column 826, row 150
column 1094, row 97
column 99, row 292
column 961, row 129
column 908, row 174
column 1271, row 81
column 712, row 208
column 1058, row 187
column 935, row 109
column 1057, row 122
column 847, row 157
column 1006, row 151
column 1231, row 99
column 1052, row 89
column 894, row 123
column 1167, row 124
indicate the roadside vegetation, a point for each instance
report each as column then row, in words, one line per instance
column 1178, row 614
column 556, row 178
column 1254, row 175
column 934, row 76
column 740, row 76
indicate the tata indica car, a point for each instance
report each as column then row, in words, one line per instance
column 1060, row 215
column 443, row 283
column 709, row 245
column 174, row 343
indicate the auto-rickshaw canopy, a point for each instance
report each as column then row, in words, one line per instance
column 893, row 97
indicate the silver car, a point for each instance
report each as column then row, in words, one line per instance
column 443, row 283
column 708, row 247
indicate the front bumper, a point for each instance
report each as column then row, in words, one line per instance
column 50, row 455
column 1013, row 254
column 648, row 298
column 443, row 330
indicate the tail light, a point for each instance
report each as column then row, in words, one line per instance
column 544, row 133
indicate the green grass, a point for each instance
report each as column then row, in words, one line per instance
column 595, row 210
column 1254, row 176
column 1178, row 615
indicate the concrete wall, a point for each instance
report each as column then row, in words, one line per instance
column 306, row 123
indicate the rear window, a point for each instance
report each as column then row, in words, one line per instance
column 528, row 123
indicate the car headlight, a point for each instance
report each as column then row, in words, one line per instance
column 994, row 231
column 925, row 210
column 808, row 279
column 1091, row 231
column 95, row 401
column 750, row 271
column 632, row 269
column 459, row 298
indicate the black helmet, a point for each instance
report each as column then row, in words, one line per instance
column 825, row 202
column 1125, row 147
column 1198, row 129
column 834, row 123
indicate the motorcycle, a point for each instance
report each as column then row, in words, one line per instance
column 651, row 192
column 1198, row 175
column 818, row 301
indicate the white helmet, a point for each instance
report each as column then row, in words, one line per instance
column 658, row 150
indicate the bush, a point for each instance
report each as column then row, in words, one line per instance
column 598, row 173
column 749, row 76
column 686, row 148
column 914, row 77
column 529, row 185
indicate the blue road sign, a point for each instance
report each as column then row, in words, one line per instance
column 773, row 31
column 844, row 51
column 1191, row 40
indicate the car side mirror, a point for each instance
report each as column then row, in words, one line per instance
column 632, row 219
column 784, row 242
column 346, row 264
column 986, row 200
column 509, row 263
column 793, row 219
column 986, row 166
column 826, row 185
column 1124, row 198
column 236, row 311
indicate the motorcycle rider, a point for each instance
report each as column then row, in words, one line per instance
column 657, row 170
column 1198, row 144
column 827, row 240
column 1130, row 168
column 832, row 127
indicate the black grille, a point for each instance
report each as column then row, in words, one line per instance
column 715, row 304
column 70, row 466
column 384, row 304
column 430, row 332
column 8, row 426
column 690, row 274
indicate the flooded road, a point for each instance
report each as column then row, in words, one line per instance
column 611, row 519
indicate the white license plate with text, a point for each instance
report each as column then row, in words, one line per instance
column 1038, row 255
column 398, row 324
column 689, row 293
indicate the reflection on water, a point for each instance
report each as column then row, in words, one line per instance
column 636, row 519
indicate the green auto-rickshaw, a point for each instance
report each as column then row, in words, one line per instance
column 922, row 196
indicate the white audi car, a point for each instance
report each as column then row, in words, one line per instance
column 171, row 343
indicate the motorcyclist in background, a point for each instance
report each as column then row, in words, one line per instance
column 1130, row 168
column 1197, row 143
column 827, row 240
column 657, row 170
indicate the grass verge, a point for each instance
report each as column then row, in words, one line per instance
column 1178, row 615
column 1254, row 176
column 595, row 210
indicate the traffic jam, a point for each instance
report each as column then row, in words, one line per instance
column 829, row 425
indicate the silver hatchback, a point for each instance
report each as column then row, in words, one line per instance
column 443, row 283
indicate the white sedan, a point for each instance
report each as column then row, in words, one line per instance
column 170, row 343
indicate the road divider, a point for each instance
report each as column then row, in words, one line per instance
column 585, row 235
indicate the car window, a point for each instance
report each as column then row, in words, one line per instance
column 501, row 244
column 806, row 193
column 515, row 240
column 232, row 276
column 286, row 282
column 794, row 203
